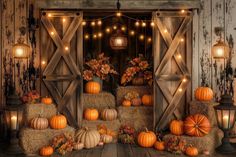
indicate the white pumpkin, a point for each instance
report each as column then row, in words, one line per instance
column 106, row 138
column 90, row 138
column 109, row 114
column 78, row 146
column 39, row 123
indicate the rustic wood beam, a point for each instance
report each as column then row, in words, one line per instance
column 111, row 4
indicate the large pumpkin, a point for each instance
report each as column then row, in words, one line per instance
column 39, row 123
column 204, row 94
column 46, row 151
column 146, row 138
column 147, row 100
column 197, row 125
column 92, row 87
column 91, row 114
column 47, row 101
column 58, row 122
column 109, row 114
column 177, row 127
column 90, row 138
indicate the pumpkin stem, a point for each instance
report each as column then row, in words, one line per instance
column 145, row 128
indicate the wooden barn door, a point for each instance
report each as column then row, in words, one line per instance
column 61, row 61
column 172, row 65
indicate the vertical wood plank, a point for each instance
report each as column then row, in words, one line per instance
column 1, row 72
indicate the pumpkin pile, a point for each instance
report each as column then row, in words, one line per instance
column 133, row 98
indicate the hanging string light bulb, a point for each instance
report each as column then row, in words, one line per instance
column 132, row 33
column 108, row 30
column 93, row 23
column 137, row 23
column 152, row 24
column 99, row 22
column 143, row 24
column 123, row 28
column 84, row 23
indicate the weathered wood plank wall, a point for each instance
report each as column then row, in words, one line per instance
column 212, row 14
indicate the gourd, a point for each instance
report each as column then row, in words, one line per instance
column 39, row 123
column 78, row 146
column 109, row 114
column 106, row 138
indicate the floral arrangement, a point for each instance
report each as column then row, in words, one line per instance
column 137, row 66
column 31, row 97
column 99, row 67
column 63, row 143
column 131, row 95
column 103, row 130
column 176, row 145
column 126, row 134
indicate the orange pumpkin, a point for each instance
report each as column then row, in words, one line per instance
column 126, row 103
column 146, row 138
column 147, row 100
column 177, row 127
column 46, row 151
column 197, row 125
column 91, row 114
column 58, row 122
column 204, row 94
column 47, row 100
column 159, row 145
column 191, row 151
column 92, row 87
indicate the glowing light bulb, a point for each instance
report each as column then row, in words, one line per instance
column 132, row 32
column 108, row 30
column 137, row 23
column 86, row 36
column 93, row 23
column 63, row 20
column 152, row 24
column 182, row 11
column 99, row 23
column 43, row 62
column 95, row 36
column 144, row 24
column 19, row 52
column 220, row 52
column 184, row 80
column 180, row 90
column 52, row 33
column 115, row 27
column 100, row 34
column 179, row 56
column 182, row 40
column 118, row 14
column 123, row 28
column 149, row 39
column 141, row 37
column 49, row 15
column 84, row 23
column 165, row 31
column 66, row 48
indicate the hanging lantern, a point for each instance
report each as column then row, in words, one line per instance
column 118, row 41
column 220, row 50
column 20, row 49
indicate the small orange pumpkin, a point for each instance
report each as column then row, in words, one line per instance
column 126, row 103
column 191, row 151
column 58, row 122
column 147, row 100
column 146, row 138
column 92, row 87
column 47, row 100
column 46, row 151
column 177, row 127
column 159, row 145
column 197, row 125
column 91, row 114
column 204, row 94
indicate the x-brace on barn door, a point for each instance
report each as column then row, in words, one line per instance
column 61, row 41
column 172, row 65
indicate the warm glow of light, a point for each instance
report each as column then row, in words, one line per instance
column 141, row 37
column 152, row 24
column 43, row 62
column 84, row 23
column 165, row 31
column 144, row 24
column 119, row 41
column 93, row 23
column 182, row 40
column 182, row 11
column 49, row 15
column 52, row 33
column 115, row 27
column 66, row 48
column 118, row 14
column 179, row 56
column 132, row 32
column 100, row 34
column 137, row 23
column 63, row 20
column 99, row 23
column 19, row 52
column 149, row 39
column 180, row 90
column 86, row 36
column 220, row 52
column 184, row 80
column 95, row 36
column 108, row 30
column 123, row 28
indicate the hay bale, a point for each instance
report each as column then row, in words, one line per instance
column 32, row 140
column 34, row 110
column 112, row 125
column 206, row 108
column 99, row 101
column 208, row 142
column 138, row 117
column 121, row 91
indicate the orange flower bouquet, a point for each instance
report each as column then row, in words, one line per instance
column 31, row 97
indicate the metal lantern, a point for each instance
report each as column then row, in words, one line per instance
column 226, row 115
column 220, row 50
column 118, row 41
column 20, row 49
column 14, row 119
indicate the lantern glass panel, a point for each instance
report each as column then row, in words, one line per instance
column 225, row 118
column 20, row 50
column 14, row 118
column 220, row 50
